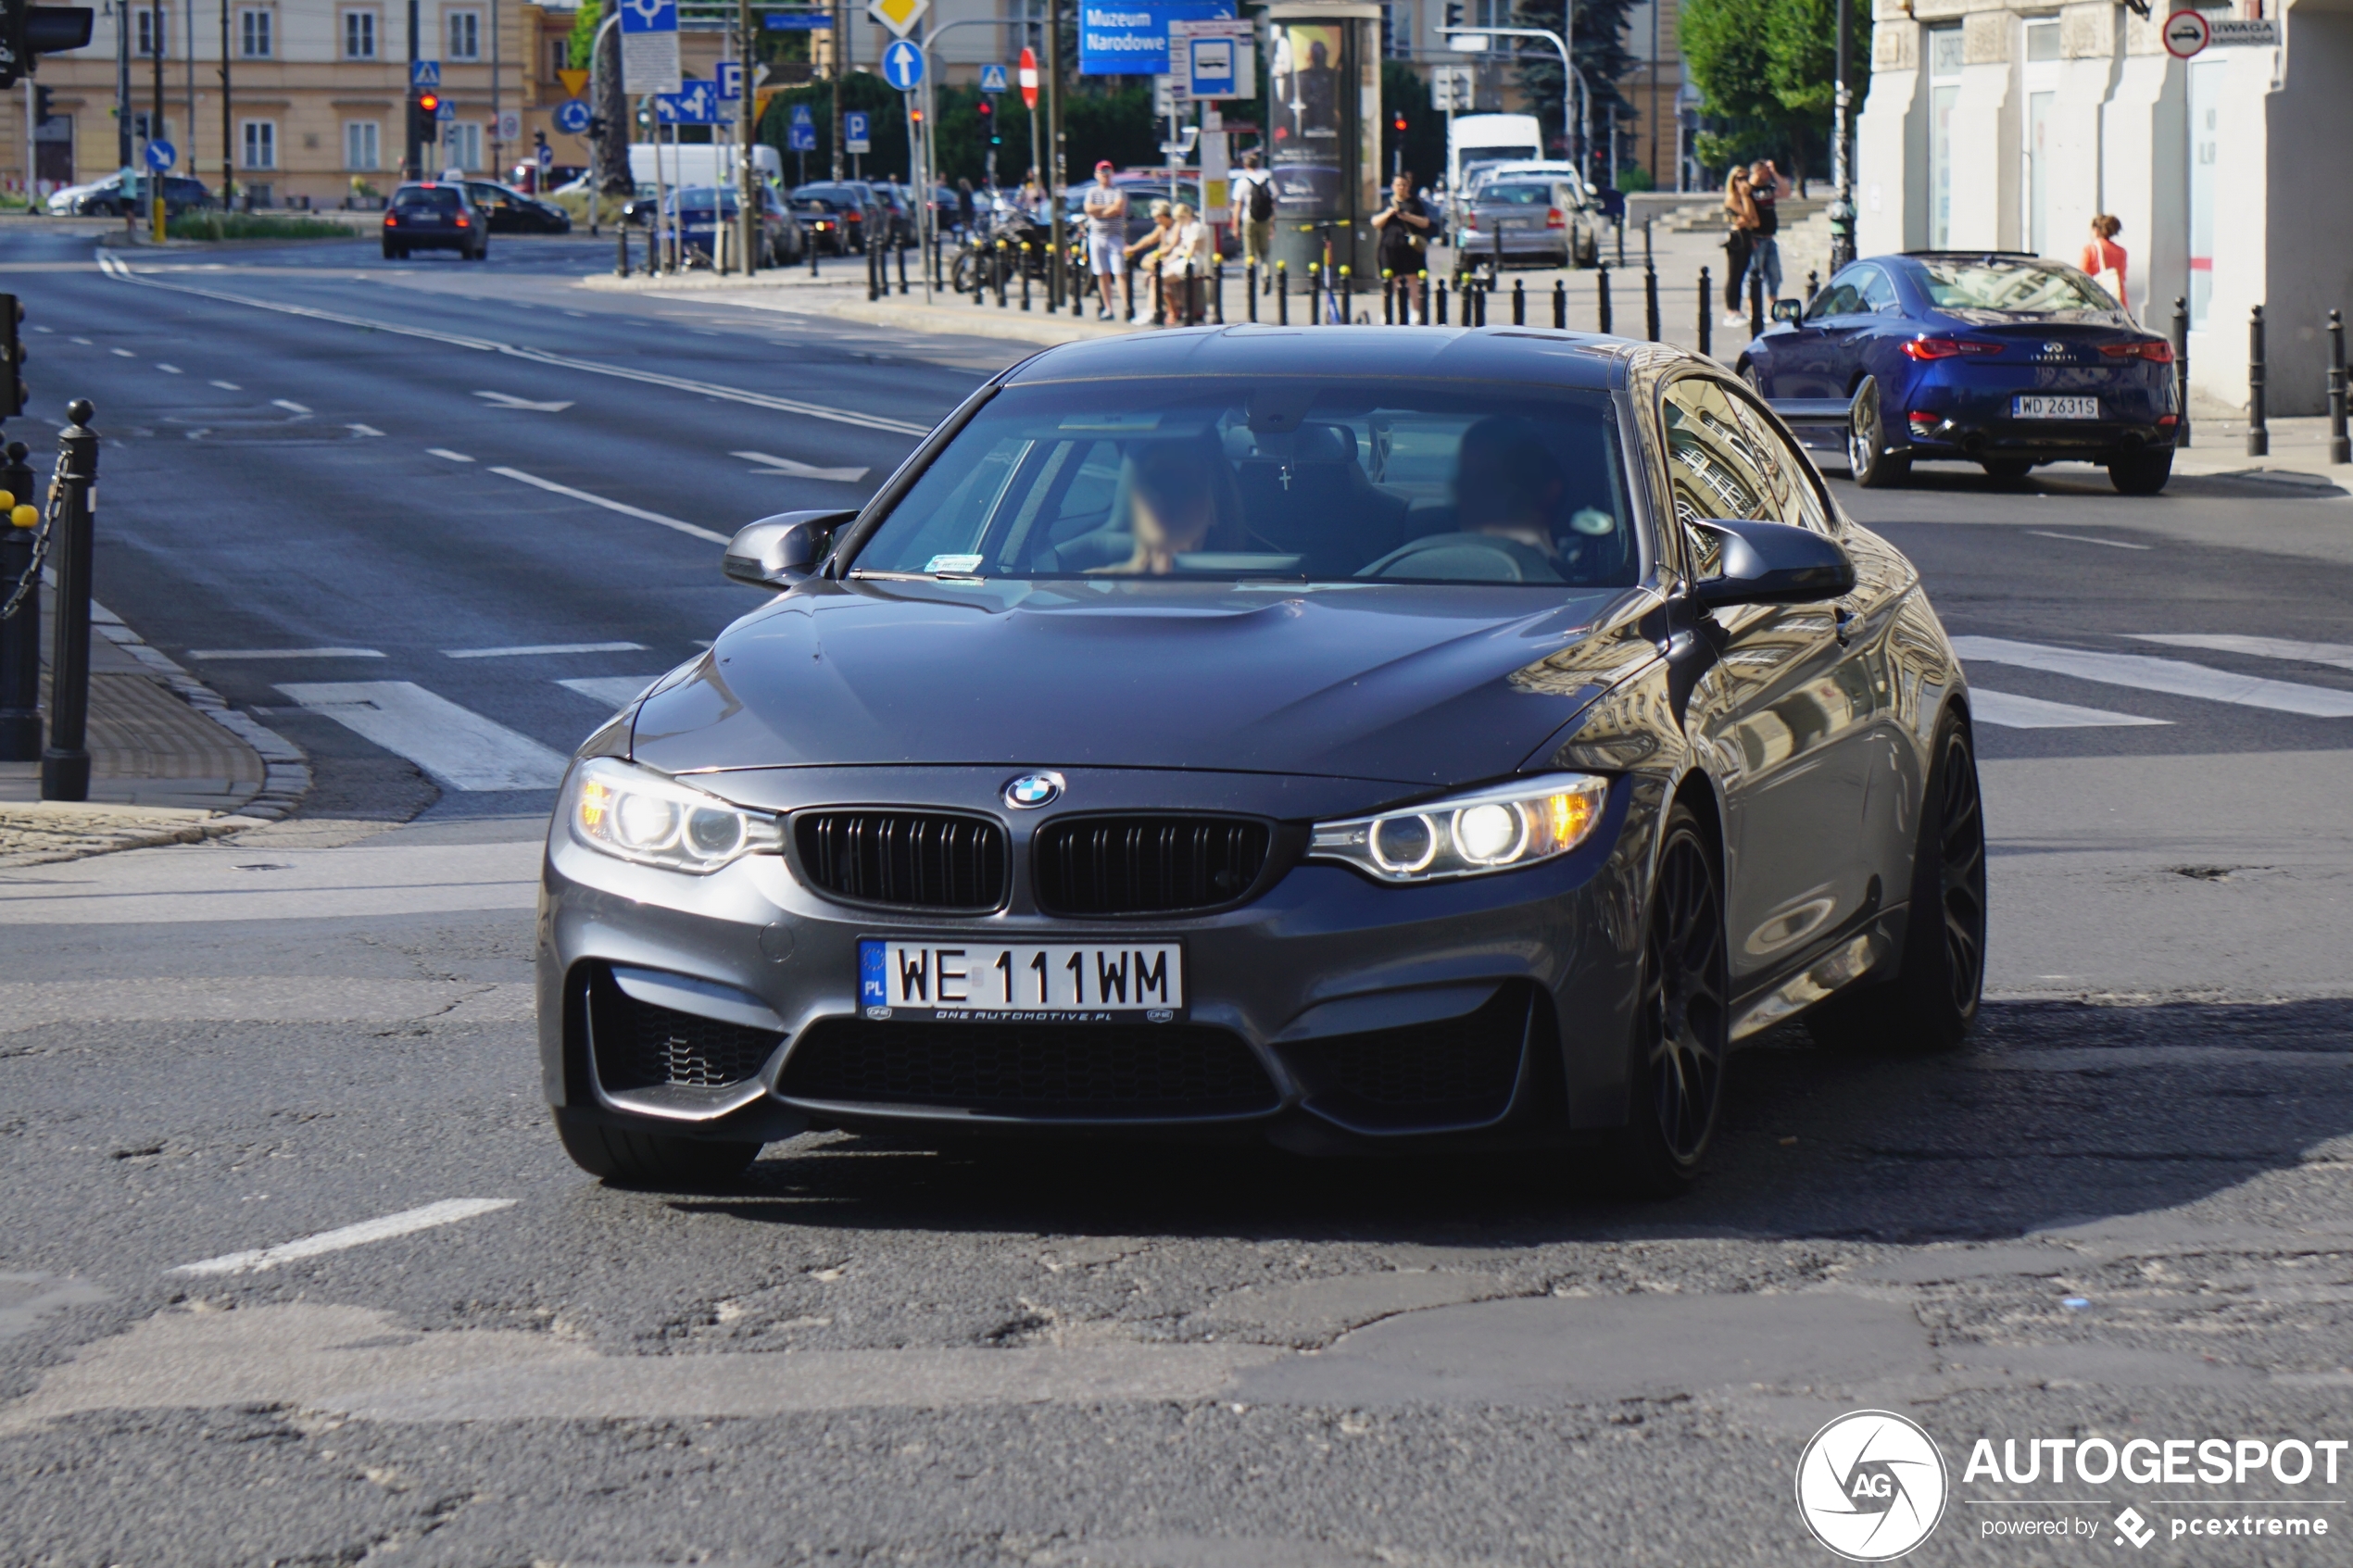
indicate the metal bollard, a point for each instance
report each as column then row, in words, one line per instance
column 2182, row 369
column 2340, row 447
column 1438, row 314
column 1388, row 298
column 1498, row 281
column 1755, row 306
column 811, row 242
column 873, row 281
column 1813, row 285
column 1347, row 298
column 21, row 551
column 1601, row 286
column 1519, row 303
column 621, row 250
column 902, row 266
column 1024, row 274
column 2259, row 433
column 65, row 762
column 1560, row 304
column 1650, row 300
column 1479, row 298
column 1217, row 290
column 1250, row 284
column 1707, row 310
column 1421, row 293
column 1282, row 295
column 1004, row 266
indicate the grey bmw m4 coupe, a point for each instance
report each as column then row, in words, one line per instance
column 1349, row 738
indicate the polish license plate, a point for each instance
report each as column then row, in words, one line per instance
column 2045, row 407
column 946, row 979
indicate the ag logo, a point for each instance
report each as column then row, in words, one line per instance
column 1871, row 1485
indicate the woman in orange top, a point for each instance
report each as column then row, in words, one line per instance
column 2104, row 256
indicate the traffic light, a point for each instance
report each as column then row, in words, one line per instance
column 29, row 31
column 1453, row 16
column 988, row 120
column 596, row 128
column 12, row 387
column 424, row 114
column 41, row 115
column 1397, row 123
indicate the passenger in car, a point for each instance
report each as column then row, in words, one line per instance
column 1172, row 506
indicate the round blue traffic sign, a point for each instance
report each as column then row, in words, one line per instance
column 161, row 156
column 902, row 66
column 571, row 116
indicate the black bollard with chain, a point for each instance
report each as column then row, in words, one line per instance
column 1560, row 304
column 1024, row 274
column 1755, row 305
column 1438, row 308
column 1250, row 284
column 1601, row 297
column 1706, row 311
column 2340, row 446
column 621, row 250
column 65, row 762
column 1650, row 299
column 2259, row 429
column 1519, row 303
column 2181, row 371
column 1282, row 295
column 23, row 544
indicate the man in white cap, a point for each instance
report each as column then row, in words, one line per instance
column 1106, row 236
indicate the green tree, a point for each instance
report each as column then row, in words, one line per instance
column 1764, row 69
column 584, row 32
column 1422, row 142
column 1599, row 49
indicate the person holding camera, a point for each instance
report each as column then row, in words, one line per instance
column 1404, row 233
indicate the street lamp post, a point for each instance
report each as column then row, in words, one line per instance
column 1470, row 40
column 1842, row 158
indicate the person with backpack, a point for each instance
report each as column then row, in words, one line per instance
column 1254, row 215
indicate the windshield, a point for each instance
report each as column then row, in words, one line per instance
column 2025, row 287
column 1213, row 477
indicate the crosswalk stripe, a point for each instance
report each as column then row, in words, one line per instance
column 2169, row 675
column 2339, row 654
column 613, row 691
column 2014, row 712
column 458, row 747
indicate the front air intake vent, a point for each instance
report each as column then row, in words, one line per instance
column 1147, row 865
column 904, row 859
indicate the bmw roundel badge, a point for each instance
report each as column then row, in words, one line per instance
column 1033, row 790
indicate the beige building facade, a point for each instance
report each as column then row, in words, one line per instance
column 2009, row 124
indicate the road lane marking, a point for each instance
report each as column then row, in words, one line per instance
column 288, row 405
column 283, row 653
column 445, row 452
column 2087, row 539
column 613, row 691
column 2014, row 712
column 2172, row 676
column 2339, row 654
column 170, row 369
column 122, row 352
column 228, row 387
column 407, row 1223
column 508, row 400
column 84, row 342
column 784, row 468
column 122, row 272
column 364, row 430
column 529, row 649
column 458, row 747
column 612, row 506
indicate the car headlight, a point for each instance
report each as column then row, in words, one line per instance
column 640, row 815
column 1490, row 830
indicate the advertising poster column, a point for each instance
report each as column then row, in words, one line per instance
column 1323, row 138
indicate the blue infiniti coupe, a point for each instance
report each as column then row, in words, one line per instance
column 2004, row 361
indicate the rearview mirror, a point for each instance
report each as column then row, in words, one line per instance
column 1788, row 310
column 1770, row 563
column 778, row 552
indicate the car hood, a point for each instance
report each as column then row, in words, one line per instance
column 1420, row 685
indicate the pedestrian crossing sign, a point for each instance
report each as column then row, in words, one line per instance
column 992, row 78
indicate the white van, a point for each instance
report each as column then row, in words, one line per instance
column 1476, row 139
column 707, row 164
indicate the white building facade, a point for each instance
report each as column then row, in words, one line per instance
column 2007, row 125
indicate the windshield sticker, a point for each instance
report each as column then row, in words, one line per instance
column 952, row 563
column 1117, row 422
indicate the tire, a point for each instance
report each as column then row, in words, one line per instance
column 2142, row 473
column 481, row 252
column 650, row 1160
column 1874, row 466
column 1931, row 1004
column 1682, row 1021
column 392, row 252
column 2006, row 470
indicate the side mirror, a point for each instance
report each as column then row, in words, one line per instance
column 779, row 551
column 1770, row 563
column 1789, row 310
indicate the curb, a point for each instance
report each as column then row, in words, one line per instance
column 181, row 825
column 285, row 770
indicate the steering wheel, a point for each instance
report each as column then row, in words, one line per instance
column 1465, row 557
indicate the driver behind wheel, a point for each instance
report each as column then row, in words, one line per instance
column 1507, row 486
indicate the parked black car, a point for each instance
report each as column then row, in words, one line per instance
column 107, row 197
column 511, row 211
column 434, row 215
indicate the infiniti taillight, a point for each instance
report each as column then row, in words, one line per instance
column 1946, row 347
column 2155, row 350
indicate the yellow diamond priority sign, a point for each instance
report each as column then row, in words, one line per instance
column 900, row 16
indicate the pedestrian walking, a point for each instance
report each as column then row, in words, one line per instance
column 1764, row 248
column 1106, row 209
column 1740, row 219
column 1253, row 214
column 2104, row 258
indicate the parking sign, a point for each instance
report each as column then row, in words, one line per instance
column 853, row 133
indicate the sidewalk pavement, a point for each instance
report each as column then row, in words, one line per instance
column 169, row 761
column 2297, row 462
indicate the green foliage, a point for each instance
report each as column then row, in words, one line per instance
column 1764, row 69
column 254, row 226
column 1634, row 177
column 1424, row 142
column 584, row 32
column 1601, row 58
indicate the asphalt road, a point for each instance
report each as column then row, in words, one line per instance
column 2122, row 1212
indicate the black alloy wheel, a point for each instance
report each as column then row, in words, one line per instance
column 1931, row 1004
column 2142, row 473
column 1683, row 1018
column 1867, row 458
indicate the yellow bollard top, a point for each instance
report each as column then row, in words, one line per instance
column 24, row 517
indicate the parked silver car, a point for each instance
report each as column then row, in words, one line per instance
column 1541, row 222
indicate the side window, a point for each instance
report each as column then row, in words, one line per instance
column 1789, row 477
column 1711, row 462
column 1842, row 299
column 1879, row 292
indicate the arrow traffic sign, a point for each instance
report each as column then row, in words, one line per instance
column 425, row 73
column 161, row 156
column 992, row 78
column 695, row 104
column 573, row 116
column 902, row 66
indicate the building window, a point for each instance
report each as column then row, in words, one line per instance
column 359, row 36
column 558, row 57
column 260, row 140
column 1945, row 60
column 255, row 38
column 359, row 144
column 465, row 35
column 153, row 34
column 460, row 145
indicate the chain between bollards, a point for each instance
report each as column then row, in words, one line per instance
column 2259, row 431
column 65, row 762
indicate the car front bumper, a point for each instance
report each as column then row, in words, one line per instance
column 1328, row 1011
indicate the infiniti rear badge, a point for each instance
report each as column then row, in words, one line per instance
column 1032, row 790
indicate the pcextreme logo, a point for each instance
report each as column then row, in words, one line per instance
column 1871, row 1485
